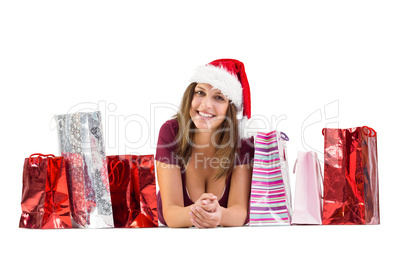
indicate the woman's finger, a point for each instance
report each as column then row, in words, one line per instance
column 210, row 207
column 204, row 215
column 208, row 196
column 197, row 222
column 197, row 211
column 204, row 218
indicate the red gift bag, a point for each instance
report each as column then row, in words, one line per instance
column 350, row 176
column 133, row 190
column 45, row 202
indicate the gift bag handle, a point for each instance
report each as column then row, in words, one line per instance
column 36, row 161
column 371, row 132
column 112, row 173
column 294, row 167
column 284, row 136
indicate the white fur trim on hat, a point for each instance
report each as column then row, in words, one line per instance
column 249, row 127
column 222, row 79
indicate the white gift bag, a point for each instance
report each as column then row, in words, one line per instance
column 307, row 201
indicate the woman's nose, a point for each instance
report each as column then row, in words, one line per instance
column 207, row 102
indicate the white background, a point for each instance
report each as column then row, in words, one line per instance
column 311, row 64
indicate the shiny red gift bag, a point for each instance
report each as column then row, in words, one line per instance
column 350, row 176
column 45, row 202
column 133, row 190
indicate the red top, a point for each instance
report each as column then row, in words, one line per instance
column 165, row 153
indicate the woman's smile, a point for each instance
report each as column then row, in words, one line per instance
column 205, row 115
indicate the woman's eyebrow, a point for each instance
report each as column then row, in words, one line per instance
column 200, row 87
column 218, row 92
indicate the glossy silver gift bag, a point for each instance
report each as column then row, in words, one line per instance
column 82, row 146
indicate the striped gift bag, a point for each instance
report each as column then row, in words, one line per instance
column 270, row 201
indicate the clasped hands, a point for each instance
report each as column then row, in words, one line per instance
column 206, row 212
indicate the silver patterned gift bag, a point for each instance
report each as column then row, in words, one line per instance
column 81, row 145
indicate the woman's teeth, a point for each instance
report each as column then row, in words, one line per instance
column 205, row 115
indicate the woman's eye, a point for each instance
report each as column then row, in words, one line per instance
column 220, row 98
column 199, row 93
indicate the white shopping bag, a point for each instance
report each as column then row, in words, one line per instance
column 307, row 201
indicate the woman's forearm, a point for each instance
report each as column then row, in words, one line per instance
column 177, row 217
column 233, row 216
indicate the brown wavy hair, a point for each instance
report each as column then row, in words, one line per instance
column 227, row 140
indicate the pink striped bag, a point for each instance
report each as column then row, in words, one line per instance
column 270, row 201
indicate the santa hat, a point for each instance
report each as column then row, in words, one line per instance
column 229, row 76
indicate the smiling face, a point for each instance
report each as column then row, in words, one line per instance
column 208, row 107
